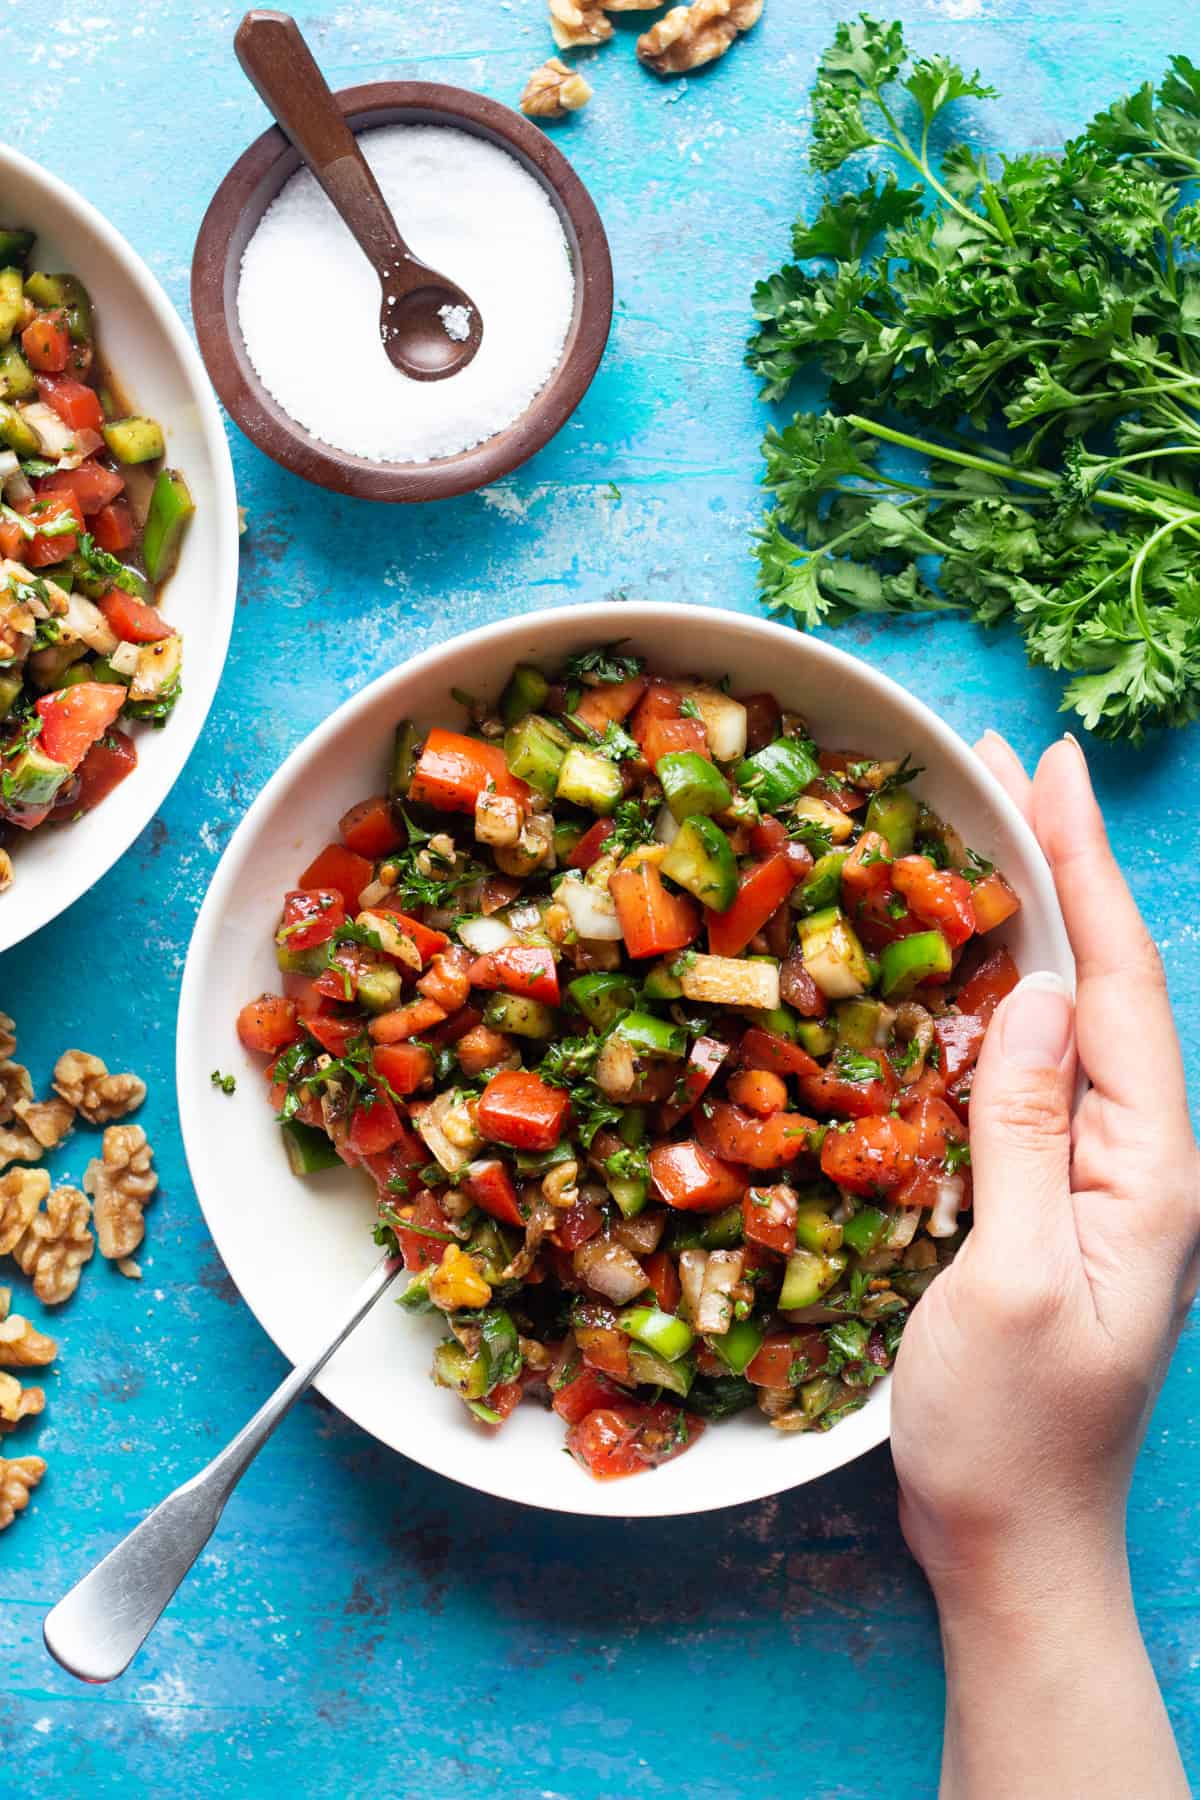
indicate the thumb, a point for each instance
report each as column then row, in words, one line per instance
column 1021, row 1116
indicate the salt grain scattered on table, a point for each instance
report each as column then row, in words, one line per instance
column 308, row 300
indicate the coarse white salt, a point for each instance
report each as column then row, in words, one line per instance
column 308, row 300
column 457, row 322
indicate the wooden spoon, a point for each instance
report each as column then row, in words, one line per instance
column 422, row 336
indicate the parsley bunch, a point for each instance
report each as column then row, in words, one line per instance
column 1037, row 320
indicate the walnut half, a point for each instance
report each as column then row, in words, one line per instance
column 121, row 1183
column 689, row 36
column 23, row 1346
column 56, row 1246
column 576, row 23
column 17, row 1402
column 551, row 92
column 84, row 1082
column 19, row 1475
column 21, row 1193
column 49, row 1121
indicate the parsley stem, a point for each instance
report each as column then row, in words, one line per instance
column 1139, row 566
column 903, row 148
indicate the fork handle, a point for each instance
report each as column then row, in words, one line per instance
column 96, row 1629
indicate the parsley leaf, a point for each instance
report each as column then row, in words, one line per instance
column 595, row 668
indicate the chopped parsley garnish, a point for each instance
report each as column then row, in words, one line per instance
column 226, row 1083
column 595, row 668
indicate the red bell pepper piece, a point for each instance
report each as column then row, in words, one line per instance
column 452, row 771
column 653, row 922
column 591, row 844
column 692, row 1179
column 518, row 1108
column 337, row 867
column 704, row 1059
column 761, row 889
column 527, row 969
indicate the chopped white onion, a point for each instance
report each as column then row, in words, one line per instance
column 692, row 1264
column 724, row 720
column 943, row 1220
column 666, row 826
column 124, row 659
column 722, row 1273
column 592, row 908
column 484, row 934
column 610, row 1269
column 904, row 1227
column 84, row 444
column 54, row 436
column 18, row 489
column 9, row 464
column 86, row 622
column 525, row 916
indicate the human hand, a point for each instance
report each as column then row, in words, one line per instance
column 1027, row 1373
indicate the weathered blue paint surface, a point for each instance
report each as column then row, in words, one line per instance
column 360, row 1626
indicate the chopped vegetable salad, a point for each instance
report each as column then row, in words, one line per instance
column 653, row 1023
column 90, row 527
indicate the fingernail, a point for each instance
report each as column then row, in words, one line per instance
column 1036, row 1024
column 1070, row 738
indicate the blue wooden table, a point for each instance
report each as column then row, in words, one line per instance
column 360, row 1626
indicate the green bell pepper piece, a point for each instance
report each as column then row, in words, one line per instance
column 520, row 1015
column 808, row 1275
column 455, row 1367
column 17, row 379
column 632, row 1126
column 656, row 1371
column 824, row 883
column 308, row 1149
column 776, row 774
column 135, row 439
column 911, row 960
column 721, row 1231
column 171, row 506
column 588, row 779
column 692, row 784
column 629, row 1192
column 602, row 998
column 815, row 1230
column 661, row 984
column 668, row 1336
column 864, row 1229
column 96, row 585
column 536, row 1162
column 535, row 749
column 415, row 1298
column 701, row 860
column 816, row 1395
column 815, row 1036
column 404, row 759
column 648, row 1035
column 12, row 302
column 893, row 814
column 739, row 1346
column 379, row 987
column 858, row 1022
column 567, row 833
column 833, row 955
column 524, row 692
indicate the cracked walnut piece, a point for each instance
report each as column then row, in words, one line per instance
column 84, row 1082
column 57, row 1244
column 689, row 36
column 120, row 1185
column 553, row 91
column 18, row 1144
column 17, row 1402
column 575, row 24
column 21, row 1193
column 8, row 1037
column 23, row 1346
column 48, row 1121
column 16, row 1089
column 19, row 1475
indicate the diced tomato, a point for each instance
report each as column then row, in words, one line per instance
column 653, row 922
column 337, row 867
column 403, row 1022
column 611, row 700
column 480, row 1047
column 405, row 1067
column 308, row 1112
column 428, row 941
column 331, row 1033
column 12, row 540
column 504, row 1399
column 704, row 1059
column 664, row 1279
column 935, row 1124
column 47, row 342
column 769, row 1217
column 490, row 1186
column 761, row 889
column 609, row 1445
column 267, row 1024
column 78, row 406
column 396, row 1170
column 110, row 759
column 48, row 548
column 74, row 717
column 577, row 1224
column 518, row 1108
column 447, row 981
column 112, row 527
column 739, row 1137
column 869, row 1156
column 924, row 1186
column 936, row 896
column 666, row 1431
column 931, row 1085
column 310, row 917
column 374, row 1125
column 527, row 969
column 959, row 1038
column 832, row 1090
column 92, row 485
column 419, row 1248
column 132, row 620
column 764, row 717
column 582, row 1394
column 767, row 1050
column 770, row 835
column 993, row 901
column 658, row 725
column 877, row 923
column 866, row 871
column 759, row 1091
column 453, row 770
column 693, row 1179
column 604, row 1348
column 591, row 844
column 370, row 829
column 786, row 1358
column 346, row 965
column 995, row 978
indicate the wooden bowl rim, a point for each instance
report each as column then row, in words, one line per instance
column 238, row 205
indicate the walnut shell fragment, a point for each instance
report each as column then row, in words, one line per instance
column 121, row 1183
column 19, row 1475
column 689, row 36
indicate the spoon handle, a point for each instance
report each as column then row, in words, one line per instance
column 280, row 65
column 96, row 1629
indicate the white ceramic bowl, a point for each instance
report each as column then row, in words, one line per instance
column 149, row 351
column 297, row 1249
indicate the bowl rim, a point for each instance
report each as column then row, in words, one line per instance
column 164, row 770
column 594, row 621
column 283, row 438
